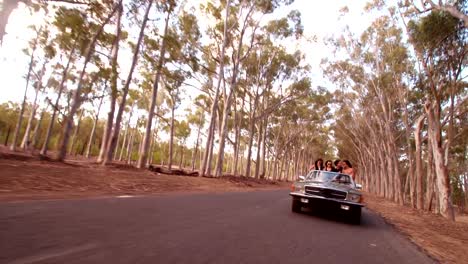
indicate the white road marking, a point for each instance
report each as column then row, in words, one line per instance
column 46, row 256
column 124, row 196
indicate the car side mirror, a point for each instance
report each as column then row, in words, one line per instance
column 358, row 186
column 301, row 178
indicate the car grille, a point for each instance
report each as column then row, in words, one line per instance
column 327, row 193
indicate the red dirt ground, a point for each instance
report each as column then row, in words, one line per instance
column 444, row 240
column 25, row 177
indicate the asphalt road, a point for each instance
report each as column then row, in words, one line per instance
column 250, row 227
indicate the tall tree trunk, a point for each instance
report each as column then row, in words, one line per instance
column 197, row 143
column 224, row 130
column 34, row 139
column 75, row 133
column 265, row 126
column 419, row 172
column 111, row 145
column 77, row 98
column 23, row 105
column 237, row 138
column 209, row 142
column 442, row 176
column 151, row 151
column 251, row 137
column 210, row 150
column 114, row 91
column 145, row 144
column 171, row 137
column 56, row 105
column 26, row 142
column 181, row 156
column 259, row 148
column 124, row 141
column 93, row 130
column 130, row 146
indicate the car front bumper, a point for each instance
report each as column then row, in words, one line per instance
column 314, row 198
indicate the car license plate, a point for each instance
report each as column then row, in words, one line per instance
column 304, row 200
column 345, row 207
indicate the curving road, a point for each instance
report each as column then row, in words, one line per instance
column 249, row 227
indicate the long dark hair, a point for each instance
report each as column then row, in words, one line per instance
column 348, row 163
column 317, row 166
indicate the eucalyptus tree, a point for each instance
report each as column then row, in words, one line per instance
column 173, row 101
column 450, row 7
column 439, row 40
column 88, row 54
column 96, row 113
column 383, row 97
column 38, row 87
column 48, row 53
column 33, row 60
column 244, row 37
column 70, row 41
column 196, row 119
column 181, row 133
column 112, row 141
column 375, row 69
column 216, row 12
column 114, row 77
column 179, row 40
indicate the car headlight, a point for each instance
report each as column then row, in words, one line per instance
column 297, row 188
column 353, row 197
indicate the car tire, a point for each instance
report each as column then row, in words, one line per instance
column 355, row 215
column 296, row 206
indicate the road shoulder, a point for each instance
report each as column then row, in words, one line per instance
column 441, row 239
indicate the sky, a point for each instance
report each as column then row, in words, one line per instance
column 321, row 19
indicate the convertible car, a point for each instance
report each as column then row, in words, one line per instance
column 328, row 190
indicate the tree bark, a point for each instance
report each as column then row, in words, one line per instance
column 111, row 145
column 124, row 141
column 93, row 130
column 75, row 133
column 130, row 146
column 23, row 105
column 37, row 128
column 146, row 141
column 171, row 138
column 419, row 172
column 442, row 176
column 251, row 136
column 259, row 148
column 56, row 105
column 197, row 143
column 26, row 142
column 214, row 106
column 77, row 99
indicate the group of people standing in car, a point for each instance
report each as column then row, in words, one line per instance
column 341, row 166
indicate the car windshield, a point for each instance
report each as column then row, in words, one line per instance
column 327, row 176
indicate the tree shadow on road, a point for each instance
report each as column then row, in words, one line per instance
column 340, row 216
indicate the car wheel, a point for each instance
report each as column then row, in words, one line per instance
column 355, row 215
column 296, row 206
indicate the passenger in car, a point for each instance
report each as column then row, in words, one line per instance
column 348, row 168
column 337, row 167
column 329, row 165
column 319, row 164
